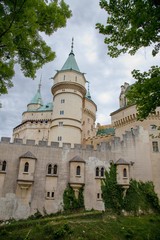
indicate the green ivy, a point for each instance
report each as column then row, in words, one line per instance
column 112, row 192
column 70, row 201
column 139, row 196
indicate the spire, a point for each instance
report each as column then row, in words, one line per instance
column 88, row 95
column 72, row 47
column 37, row 99
column 71, row 63
column 39, row 86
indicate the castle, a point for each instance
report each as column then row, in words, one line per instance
column 58, row 144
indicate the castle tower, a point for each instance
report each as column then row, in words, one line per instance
column 68, row 97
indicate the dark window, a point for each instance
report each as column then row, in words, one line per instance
column 102, row 172
column 97, row 171
column 26, row 167
column 124, row 172
column 155, row 146
column 61, row 112
column 52, row 194
column 4, row 166
column 59, row 138
column 48, row 194
column 78, row 171
column 49, row 169
column 98, row 195
column 55, row 169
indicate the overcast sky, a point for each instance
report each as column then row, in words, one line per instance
column 105, row 74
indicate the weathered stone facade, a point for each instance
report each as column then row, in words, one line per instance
column 41, row 186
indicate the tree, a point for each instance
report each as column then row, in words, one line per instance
column 132, row 24
column 21, row 25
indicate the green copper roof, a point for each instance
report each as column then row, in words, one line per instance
column 71, row 63
column 46, row 107
column 37, row 99
column 106, row 131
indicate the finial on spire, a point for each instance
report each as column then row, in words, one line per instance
column 39, row 86
column 72, row 45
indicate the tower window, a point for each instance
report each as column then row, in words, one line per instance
column 75, row 78
column 61, row 112
column 48, row 194
column 59, row 138
column 124, row 172
column 78, row 171
column 155, row 146
column 62, row 100
column 61, row 124
column 26, row 167
column 64, row 77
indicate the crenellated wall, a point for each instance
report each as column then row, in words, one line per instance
column 44, row 191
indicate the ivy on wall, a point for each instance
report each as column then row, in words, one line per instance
column 70, row 201
column 111, row 191
column 139, row 196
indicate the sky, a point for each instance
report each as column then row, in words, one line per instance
column 105, row 74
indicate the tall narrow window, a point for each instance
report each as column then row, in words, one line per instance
column 78, row 170
column 49, row 169
column 26, row 167
column 64, row 77
column 155, row 146
column 102, row 172
column 97, row 171
column 55, row 169
column 124, row 172
column 4, row 166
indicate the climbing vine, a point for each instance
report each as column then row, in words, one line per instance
column 112, row 192
column 70, row 201
column 140, row 196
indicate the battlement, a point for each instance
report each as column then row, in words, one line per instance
column 128, row 137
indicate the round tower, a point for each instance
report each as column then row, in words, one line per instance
column 68, row 96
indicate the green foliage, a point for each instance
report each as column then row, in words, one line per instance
column 112, row 192
column 139, row 196
column 21, row 25
column 145, row 92
column 130, row 26
column 70, row 201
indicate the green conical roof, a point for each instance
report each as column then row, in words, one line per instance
column 71, row 63
column 37, row 99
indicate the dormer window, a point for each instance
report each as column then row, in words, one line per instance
column 78, row 171
column 26, row 167
column 124, row 172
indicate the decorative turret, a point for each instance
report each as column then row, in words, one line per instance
column 36, row 101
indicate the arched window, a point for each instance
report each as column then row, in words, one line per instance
column 4, row 166
column 102, row 172
column 97, row 171
column 49, row 169
column 124, row 172
column 55, row 169
column 78, row 170
column 26, row 167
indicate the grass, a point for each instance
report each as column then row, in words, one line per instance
column 84, row 226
